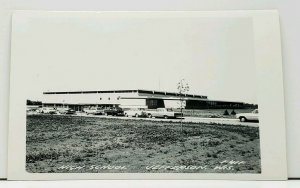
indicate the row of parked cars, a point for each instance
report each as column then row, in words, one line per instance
column 50, row 110
column 159, row 112
column 140, row 112
column 104, row 111
column 115, row 111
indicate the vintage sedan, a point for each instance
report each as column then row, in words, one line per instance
column 65, row 110
column 135, row 113
column 163, row 113
column 47, row 110
column 252, row 116
column 113, row 111
column 94, row 110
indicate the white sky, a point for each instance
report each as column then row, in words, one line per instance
column 65, row 52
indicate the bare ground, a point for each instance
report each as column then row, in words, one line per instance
column 54, row 142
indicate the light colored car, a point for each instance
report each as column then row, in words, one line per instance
column 32, row 108
column 48, row 110
column 163, row 113
column 135, row 113
column 94, row 110
column 252, row 116
column 66, row 110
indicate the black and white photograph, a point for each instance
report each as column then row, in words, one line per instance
column 138, row 93
column 143, row 95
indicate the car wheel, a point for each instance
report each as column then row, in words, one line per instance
column 243, row 119
column 166, row 117
column 149, row 115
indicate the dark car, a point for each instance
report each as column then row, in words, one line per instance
column 114, row 111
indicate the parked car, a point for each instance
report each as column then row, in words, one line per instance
column 47, row 110
column 114, row 111
column 163, row 113
column 135, row 113
column 66, row 110
column 94, row 110
column 30, row 108
column 252, row 116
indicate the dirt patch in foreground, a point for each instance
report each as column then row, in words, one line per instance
column 90, row 144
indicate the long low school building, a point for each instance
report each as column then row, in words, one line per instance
column 127, row 99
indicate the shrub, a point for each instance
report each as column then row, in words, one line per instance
column 226, row 113
column 233, row 112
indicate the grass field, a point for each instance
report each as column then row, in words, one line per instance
column 54, row 141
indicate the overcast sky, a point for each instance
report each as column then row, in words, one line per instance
column 65, row 52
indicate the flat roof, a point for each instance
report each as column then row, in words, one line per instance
column 142, row 91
